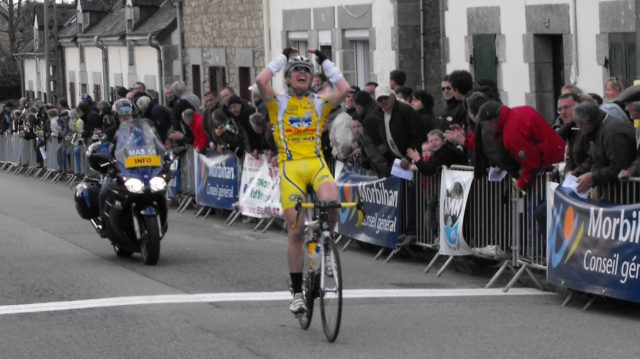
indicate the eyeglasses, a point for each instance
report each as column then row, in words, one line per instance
column 448, row 88
column 382, row 99
column 302, row 68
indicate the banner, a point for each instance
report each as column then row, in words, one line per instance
column 174, row 187
column 381, row 199
column 260, row 188
column 454, row 191
column 594, row 248
column 216, row 179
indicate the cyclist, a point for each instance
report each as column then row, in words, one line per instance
column 297, row 119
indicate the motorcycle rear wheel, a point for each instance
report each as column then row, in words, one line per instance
column 150, row 243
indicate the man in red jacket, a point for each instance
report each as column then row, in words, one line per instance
column 194, row 121
column 524, row 134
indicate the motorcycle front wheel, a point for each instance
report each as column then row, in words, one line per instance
column 150, row 242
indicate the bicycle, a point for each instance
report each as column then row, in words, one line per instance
column 322, row 273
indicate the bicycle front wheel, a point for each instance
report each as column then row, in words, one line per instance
column 331, row 290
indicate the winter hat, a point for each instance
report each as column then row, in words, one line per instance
column 488, row 111
column 234, row 99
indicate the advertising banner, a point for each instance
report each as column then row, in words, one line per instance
column 175, row 179
column 216, row 179
column 381, row 199
column 260, row 188
column 594, row 248
column 454, row 191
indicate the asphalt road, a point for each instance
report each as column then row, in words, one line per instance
column 220, row 292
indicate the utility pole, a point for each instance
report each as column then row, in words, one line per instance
column 50, row 51
column 637, row 18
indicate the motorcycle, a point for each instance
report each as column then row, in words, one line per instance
column 133, row 214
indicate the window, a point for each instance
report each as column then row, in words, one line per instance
column 97, row 93
column 298, row 40
column 132, row 54
column 324, row 42
column 81, row 51
column 356, row 64
column 485, row 64
column 72, row 94
column 217, row 78
column 244, row 81
column 622, row 55
column 83, row 89
column 195, row 77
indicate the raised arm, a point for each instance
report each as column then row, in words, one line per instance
column 335, row 76
column 263, row 80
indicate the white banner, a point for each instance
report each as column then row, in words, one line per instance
column 454, row 191
column 259, row 188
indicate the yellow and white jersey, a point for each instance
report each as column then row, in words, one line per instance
column 297, row 125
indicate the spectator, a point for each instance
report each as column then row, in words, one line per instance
column 226, row 135
column 318, row 80
column 225, row 95
column 404, row 94
column 438, row 153
column 170, row 98
column 184, row 100
column 577, row 160
column 193, row 121
column 571, row 88
column 240, row 111
column 613, row 88
column 523, row 134
column 91, row 120
column 341, row 135
column 349, row 105
column 159, row 115
column 393, row 127
column 613, row 144
column 370, row 88
column 453, row 113
column 461, row 133
column 423, row 104
column 5, row 117
column 397, row 78
column 89, row 101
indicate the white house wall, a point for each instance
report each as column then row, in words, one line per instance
column 384, row 56
column 72, row 68
column 118, row 59
column 513, row 73
column 30, row 74
column 146, row 59
column 93, row 65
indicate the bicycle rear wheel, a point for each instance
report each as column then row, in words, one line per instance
column 331, row 290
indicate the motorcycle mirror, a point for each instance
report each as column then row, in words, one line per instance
column 99, row 162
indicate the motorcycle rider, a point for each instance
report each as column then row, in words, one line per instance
column 124, row 110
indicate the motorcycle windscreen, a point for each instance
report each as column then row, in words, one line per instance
column 138, row 148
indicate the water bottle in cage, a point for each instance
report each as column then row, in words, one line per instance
column 313, row 253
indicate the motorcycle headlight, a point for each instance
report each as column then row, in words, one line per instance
column 134, row 185
column 157, row 184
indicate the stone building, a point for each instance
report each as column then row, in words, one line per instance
column 223, row 44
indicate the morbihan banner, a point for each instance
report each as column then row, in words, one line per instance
column 594, row 248
column 216, row 179
column 381, row 199
column 454, row 191
column 260, row 188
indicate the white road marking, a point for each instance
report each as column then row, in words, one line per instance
column 256, row 297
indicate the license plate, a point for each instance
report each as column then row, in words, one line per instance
column 142, row 161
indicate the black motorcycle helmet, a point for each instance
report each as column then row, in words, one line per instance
column 87, row 199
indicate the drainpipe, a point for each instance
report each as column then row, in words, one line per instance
column 105, row 64
column 266, row 29
column 156, row 46
column 574, row 29
column 178, row 5
column 422, row 44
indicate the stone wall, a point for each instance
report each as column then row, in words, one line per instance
column 223, row 33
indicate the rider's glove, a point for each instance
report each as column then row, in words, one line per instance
column 319, row 57
column 287, row 52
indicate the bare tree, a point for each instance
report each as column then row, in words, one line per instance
column 15, row 29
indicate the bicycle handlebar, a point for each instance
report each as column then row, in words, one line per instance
column 359, row 206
